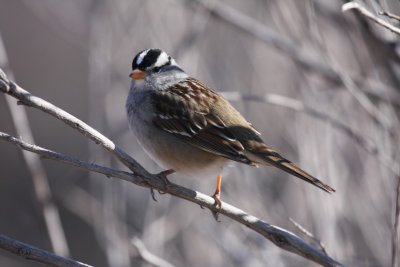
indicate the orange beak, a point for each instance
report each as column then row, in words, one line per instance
column 137, row 74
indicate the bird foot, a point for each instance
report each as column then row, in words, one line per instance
column 217, row 204
column 163, row 175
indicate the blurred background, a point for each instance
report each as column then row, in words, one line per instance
column 321, row 86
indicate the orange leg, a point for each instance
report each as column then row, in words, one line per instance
column 217, row 194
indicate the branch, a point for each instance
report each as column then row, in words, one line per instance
column 365, row 12
column 38, row 175
column 36, row 254
column 147, row 256
column 373, row 88
column 294, row 104
column 396, row 226
column 390, row 15
column 139, row 176
column 307, row 233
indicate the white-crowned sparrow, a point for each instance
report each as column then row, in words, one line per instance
column 187, row 127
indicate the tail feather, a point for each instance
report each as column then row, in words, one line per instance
column 273, row 158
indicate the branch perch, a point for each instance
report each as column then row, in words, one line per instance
column 139, row 176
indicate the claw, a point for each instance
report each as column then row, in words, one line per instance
column 218, row 204
column 217, row 198
column 152, row 194
column 163, row 175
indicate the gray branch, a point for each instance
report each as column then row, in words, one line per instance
column 147, row 256
column 390, row 15
column 39, row 178
column 139, row 176
column 313, row 64
column 36, row 254
column 365, row 12
column 396, row 226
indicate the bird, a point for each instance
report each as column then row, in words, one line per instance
column 189, row 128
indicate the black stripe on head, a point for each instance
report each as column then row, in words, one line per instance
column 145, row 58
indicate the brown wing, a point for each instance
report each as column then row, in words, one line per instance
column 185, row 110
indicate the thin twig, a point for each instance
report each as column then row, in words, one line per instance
column 282, row 238
column 390, row 15
column 297, row 105
column 365, row 12
column 147, row 256
column 39, row 178
column 290, row 48
column 309, row 234
column 351, row 86
column 396, row 226
column 36, row 254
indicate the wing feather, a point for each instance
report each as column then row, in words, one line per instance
column 185, row 110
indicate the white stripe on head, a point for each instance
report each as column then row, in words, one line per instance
column 161, row 60
column 141, row 56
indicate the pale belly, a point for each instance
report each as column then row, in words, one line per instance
column 171, row 153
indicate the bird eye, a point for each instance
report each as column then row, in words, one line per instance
column 156, row 69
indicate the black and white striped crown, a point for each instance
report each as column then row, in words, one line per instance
column 154, row 57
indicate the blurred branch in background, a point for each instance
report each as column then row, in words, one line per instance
column 294, row 104
column 36, row 254
column 280, row 237
column 147, row 256
column 339, row 119
column 396, row 226
column 289, row 48
column 381, row 22
column 38, row 174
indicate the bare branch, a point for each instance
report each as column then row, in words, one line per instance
column 365, row 12
column 390, row 15
column 280, row 237
column 294, row 104
column 309, row 234
column 36, row 254
column 373, row 88
column 147, row 256
column 39, row 178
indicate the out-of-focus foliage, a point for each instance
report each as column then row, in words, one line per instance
column 77, row 54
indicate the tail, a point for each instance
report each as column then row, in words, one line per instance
column 270, row 157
